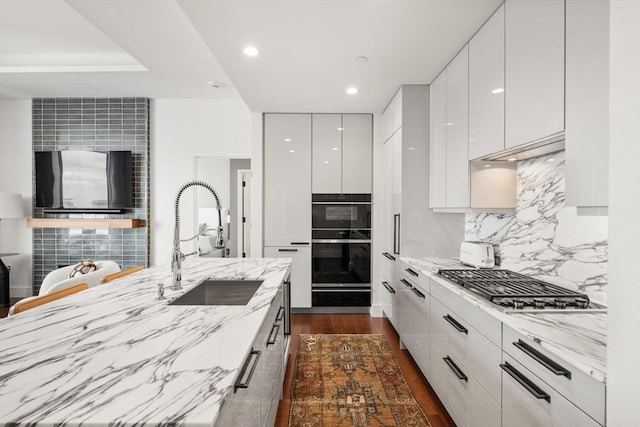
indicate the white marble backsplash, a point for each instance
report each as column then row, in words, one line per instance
column 545, row 238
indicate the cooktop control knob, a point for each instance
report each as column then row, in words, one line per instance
column 539, row 303
column 560, row 303
column 582, row 302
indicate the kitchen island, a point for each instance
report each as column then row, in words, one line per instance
column 113, row 354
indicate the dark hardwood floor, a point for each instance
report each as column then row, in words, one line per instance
column 361, row 324
column 5, row 310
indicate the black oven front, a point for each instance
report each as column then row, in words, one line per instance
column 341, row 268
column 341, row 211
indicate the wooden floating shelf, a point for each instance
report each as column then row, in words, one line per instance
column 84, row 223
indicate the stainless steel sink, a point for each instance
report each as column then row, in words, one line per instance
column 220, row 292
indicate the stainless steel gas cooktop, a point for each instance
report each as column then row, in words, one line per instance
column 516, row 292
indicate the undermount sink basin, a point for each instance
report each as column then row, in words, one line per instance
column 220, row 292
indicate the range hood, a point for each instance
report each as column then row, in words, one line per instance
column 547, row 145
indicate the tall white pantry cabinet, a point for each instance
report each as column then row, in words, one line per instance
column 304, row 154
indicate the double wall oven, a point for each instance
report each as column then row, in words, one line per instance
column 341, row 250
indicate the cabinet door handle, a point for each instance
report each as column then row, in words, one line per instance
column 300, row 243
column 417, row 292
column 453, row 322
column 396, row 234
column 280, row 314
column 255, row 356
column 411, row 272
column 287, row 250
column 389, row 256
column 456, row 370
column 525, row 382
column 273, row 335
column 542, row 359
column 407, row 284
column 389, row 288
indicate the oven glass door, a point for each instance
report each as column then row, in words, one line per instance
column 334, row 264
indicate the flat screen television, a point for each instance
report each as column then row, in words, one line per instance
column 84, row 181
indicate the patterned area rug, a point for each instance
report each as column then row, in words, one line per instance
column 350, row 380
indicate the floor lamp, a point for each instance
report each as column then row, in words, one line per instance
column 10, row 207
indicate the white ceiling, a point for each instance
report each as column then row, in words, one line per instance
column 174, row 48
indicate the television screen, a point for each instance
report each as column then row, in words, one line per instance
column 84, row 180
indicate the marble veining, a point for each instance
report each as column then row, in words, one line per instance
column 578, row 338
column 114, row 355
column 544, row 238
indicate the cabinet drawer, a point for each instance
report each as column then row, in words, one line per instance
column 575, row 385
column 465, row 400
column 483, row 322
column 413, row 276
column 387, row 265
column 468, row 346
column 527, row 401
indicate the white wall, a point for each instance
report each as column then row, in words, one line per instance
column 15, row 177
column 623, row 349
column 180, row 130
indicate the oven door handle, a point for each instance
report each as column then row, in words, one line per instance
column 340, row 241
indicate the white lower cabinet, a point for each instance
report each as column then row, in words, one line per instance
column 527, row 401
column 300, row 271
column 389, row 292
column 258, row 387
column 466, row 401
column 414, row 300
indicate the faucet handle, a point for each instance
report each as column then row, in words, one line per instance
column 160, row 295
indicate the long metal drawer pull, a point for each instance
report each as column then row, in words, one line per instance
column 280, row 314
column 455, row 368
column 287, row 250
column 389, row 288
column 300, row 243
column 407, row 284
column 525, row 382
column 542, row 359
column 411, row 272
column 255, row 355
column 389, row 256
column 273, row 335
column 417, row 292
column 453, row 322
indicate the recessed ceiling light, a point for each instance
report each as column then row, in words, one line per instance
column 326, row 162
column 352, row 90
column 340, row 128
column 292, row 151
column 512, row 159
column 411, row 148
column 362, row 59
column 287, row 140
column 214, row 84
column 498, row 90
column 335, row 148
column 487, row 166
column 250, row 51
column 449, row 124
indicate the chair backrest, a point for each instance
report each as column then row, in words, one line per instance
column 30, row 303
column 59, row 279
column 119, row 274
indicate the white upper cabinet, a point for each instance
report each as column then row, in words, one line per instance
column 392, row 117
column 486, row 88
column 342, row 153
column 287, row 179
column 327, row 153
column 587, row 109
column 438, row 144
column 357, row 137
column 534, row 84
column 457, row 128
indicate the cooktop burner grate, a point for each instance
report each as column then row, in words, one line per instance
column 494, row 284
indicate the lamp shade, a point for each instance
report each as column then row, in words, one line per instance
column 11, row 205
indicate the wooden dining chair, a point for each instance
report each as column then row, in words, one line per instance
column 29, row 303
column 119, row 274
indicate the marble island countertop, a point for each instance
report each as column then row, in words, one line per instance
column 113, row 354
column 577, row 337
